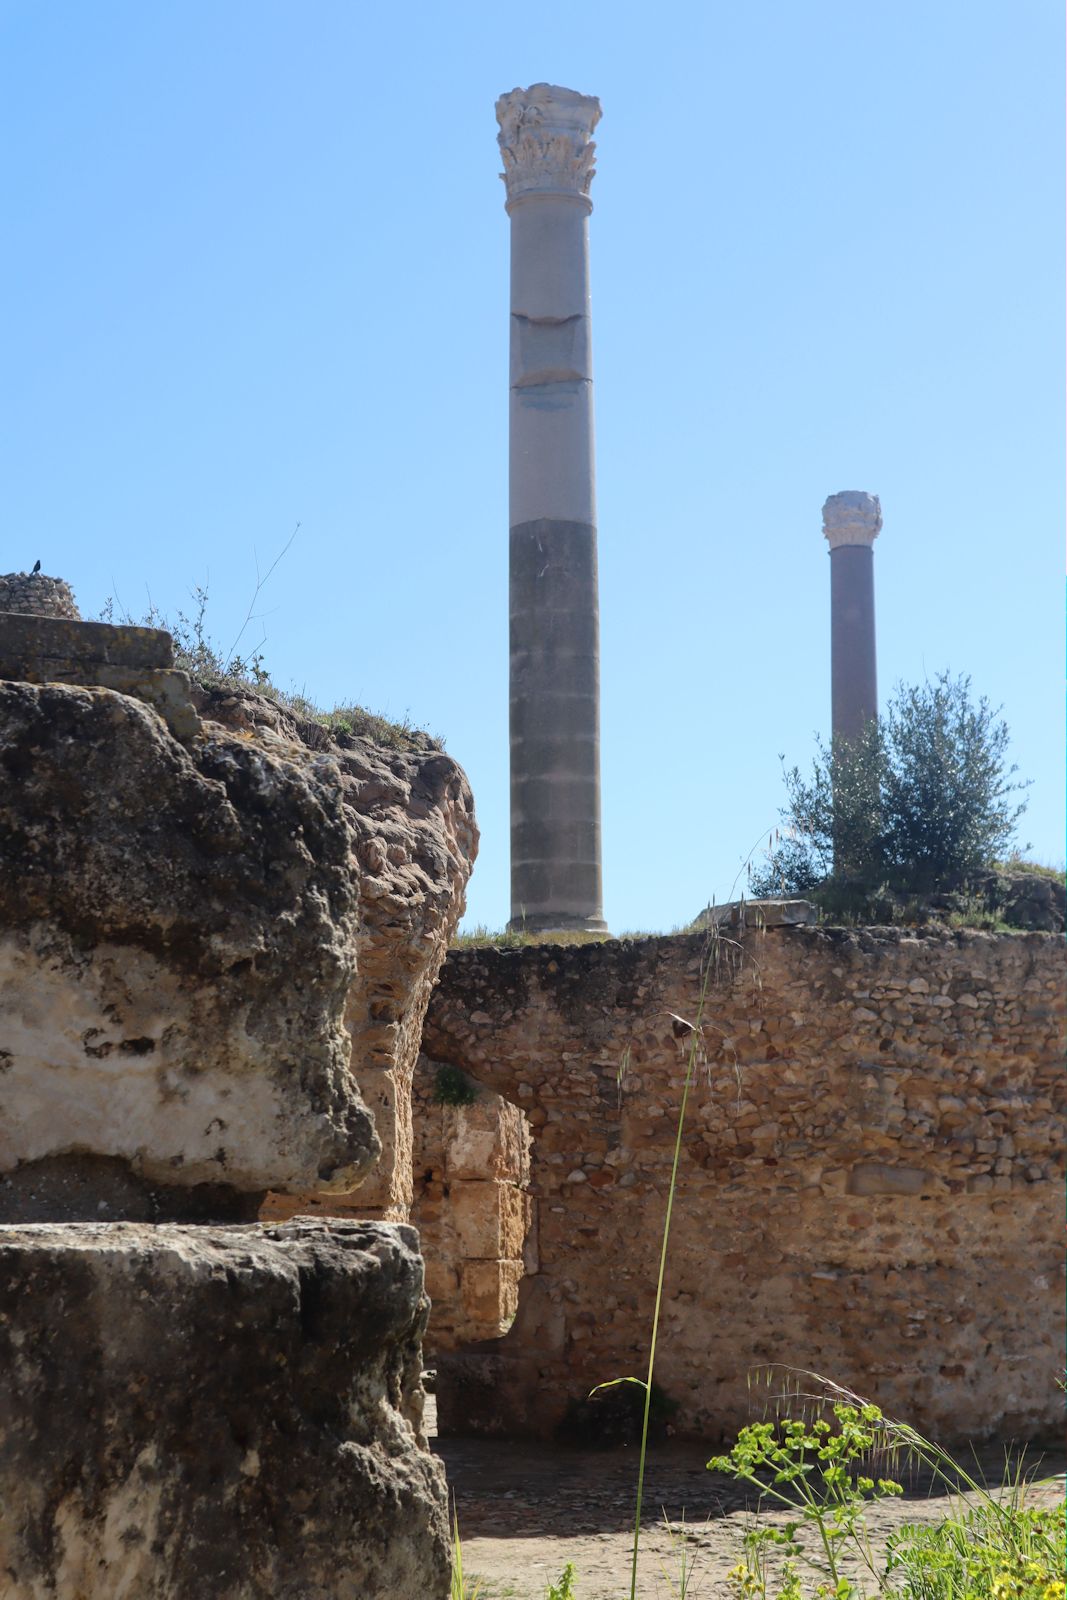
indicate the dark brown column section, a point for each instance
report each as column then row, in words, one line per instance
column 853, row 665
column 555, row 727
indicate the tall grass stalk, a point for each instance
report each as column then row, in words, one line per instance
column 696, row 1035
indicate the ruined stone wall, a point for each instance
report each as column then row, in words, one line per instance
column 472, row 1210
column 870, row 1182
column 37, row 594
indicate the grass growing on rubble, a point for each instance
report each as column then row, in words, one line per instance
column 482, row 938
column 239, row 666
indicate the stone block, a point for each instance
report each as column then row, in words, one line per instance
column 57, row 640
column 874, row 1177
column 484, row 1394
column 489, row 1220
column 387, row 1095
column 442, row 1280
column 756, row 914
column 486, row 1140
column 167, row 692
column 489, row 1293
column 232, row 1412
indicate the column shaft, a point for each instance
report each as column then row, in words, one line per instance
column 853, row 659
column 556, row 879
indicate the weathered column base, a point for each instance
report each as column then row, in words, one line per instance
column 557, row 923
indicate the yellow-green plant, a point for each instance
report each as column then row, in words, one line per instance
column 461, row 1588
column 990, row 1546
column 810, row 1467
column 564, row 1589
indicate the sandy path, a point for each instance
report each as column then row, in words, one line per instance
column 525, row 1510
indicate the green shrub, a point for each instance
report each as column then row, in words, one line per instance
column 921, row 800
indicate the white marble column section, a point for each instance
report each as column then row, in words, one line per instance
column 556, row 881
column 851, row 522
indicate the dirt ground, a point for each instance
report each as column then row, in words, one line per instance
column 525, row 1510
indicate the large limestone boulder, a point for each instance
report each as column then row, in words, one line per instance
column 215, row 1412
column 193, row 932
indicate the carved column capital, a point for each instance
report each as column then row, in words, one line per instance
column 852, row 517
column 546, row 141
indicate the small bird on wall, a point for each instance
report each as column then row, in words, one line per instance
column 36, row 568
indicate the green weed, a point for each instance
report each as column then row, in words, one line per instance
column 989, row 1548
column 461, row 1588
column 564, row 1589
column 244, row 667
column 452, row 1087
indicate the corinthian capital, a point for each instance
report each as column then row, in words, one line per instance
column 852, row 517
column 546, row 140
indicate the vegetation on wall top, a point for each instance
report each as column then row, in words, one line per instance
column 209, row 663
column 924, row 801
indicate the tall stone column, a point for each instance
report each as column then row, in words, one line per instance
column 556, row 880
column 851, row 522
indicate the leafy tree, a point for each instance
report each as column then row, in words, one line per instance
column 923, row 800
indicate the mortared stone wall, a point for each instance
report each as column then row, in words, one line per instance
column 871, row 1175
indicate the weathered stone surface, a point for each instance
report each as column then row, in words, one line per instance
column 135, row 661
column 472, row 1210
column 197, row 939
column 37, row 593
column 875, row 1177
column 195, row 1413
column 178, row 942
column 48, row 639
column 1029, row 900
column 870, row 1183
column 756, row 914
column 414, row 840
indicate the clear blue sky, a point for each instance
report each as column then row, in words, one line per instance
column 255, row 273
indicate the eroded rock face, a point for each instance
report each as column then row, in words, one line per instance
column 187, row 926
column 178, row 944
column 414, row 839
column 216, row 1412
